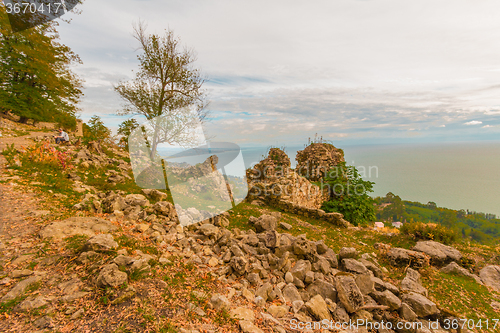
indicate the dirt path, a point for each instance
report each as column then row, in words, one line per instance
column 22, row 141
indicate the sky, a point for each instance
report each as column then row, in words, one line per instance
column 278, row 72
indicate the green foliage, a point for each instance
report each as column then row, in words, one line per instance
column 479, row 227
column 35, row 77
column 349, row 194
column 124, row 129
column 76, row 242
column 95, row 130
column 427, row 231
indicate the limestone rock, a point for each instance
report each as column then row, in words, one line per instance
column 265, row 223
column 348, row 252
column 440, row 254
column 402, row 257
column 412, row 283
column 101, row 243
column 277, row 311
column 248, row 327
column 291, row 294
column 219, row 302
column 386, row 298
column 242, row 313
column 323, row 288
column 18, row 273
column 490, row 275
column 365, row 283
column 422, row 306
column 300, row 269
column 348, row 293
column 20, row 288
column 318, row 308
column 33, row 303
column 285, row 225
column 353, row 265
column 407, row 313
column 454, row 268
column 87, row 226
column 111, row 276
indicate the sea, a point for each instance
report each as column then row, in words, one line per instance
column 453, row 175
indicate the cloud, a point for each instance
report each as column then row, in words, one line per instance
column 473, row 122
column 270, row 78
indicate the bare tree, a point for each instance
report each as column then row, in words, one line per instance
column 167, row 89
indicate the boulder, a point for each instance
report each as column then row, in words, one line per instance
column 300, row 269
column 323, row 288
column 348, row 292
column 365, row 283
column 318, row 308
column 386, row 298
column 242, row 313
column 87, row 226
column 111, row 276
column 277, row 311
column 101, row 243
column 265, row 223
column 420, row 304
column 454, row 268
column 248, row 327
column 291, row 294
column 20, row 288
column 411, row 282
column 352, row 265
column 264, row 291
column 155, row 194
column 440, row 254
column 490, row 275
column 220, row 302
column 402, row 257
column 348, row 252
column 136, row 200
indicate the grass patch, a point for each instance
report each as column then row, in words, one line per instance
column 76, row 243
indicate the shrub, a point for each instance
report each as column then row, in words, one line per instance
column 429, row 231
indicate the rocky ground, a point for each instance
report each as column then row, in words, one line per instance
column 78, row 255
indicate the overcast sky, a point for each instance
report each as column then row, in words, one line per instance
column 278, row 72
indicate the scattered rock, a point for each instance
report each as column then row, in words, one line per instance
column 454, row 268
column 220, row 302
column 87, row 226
column 440, row 254
column 411, row 282
column 20, row 288
column 242, row 313
column 111, row 276
column 248, row 327
column 17, row 273
column 318, row 308
column 349, row 293
column 402, row 257
column 490, row 275
column 422, row 306
column 101, row 243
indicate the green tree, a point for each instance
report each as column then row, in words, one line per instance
column 95, row 130
column 167, row 86
column 124, row 129
column 35, row 77
column 349, row 194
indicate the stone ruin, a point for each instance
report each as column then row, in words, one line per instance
column 317, row 159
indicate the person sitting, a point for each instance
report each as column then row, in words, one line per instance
column 62, row 137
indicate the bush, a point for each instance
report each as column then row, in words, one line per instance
column 349, row 194
column 429, row 231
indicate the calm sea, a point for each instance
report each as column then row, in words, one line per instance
column 453, row 175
